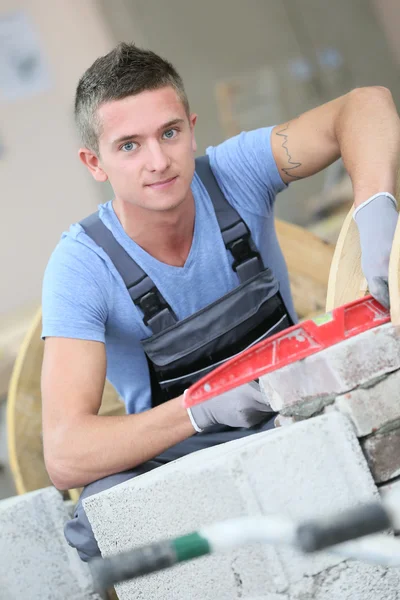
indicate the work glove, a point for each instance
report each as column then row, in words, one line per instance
column 376, row 220
column 243, row 406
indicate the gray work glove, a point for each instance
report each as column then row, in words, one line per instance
column 243, row 406
column 376, row 221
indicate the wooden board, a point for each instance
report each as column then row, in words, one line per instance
column 308, row 259
column 13, row 327
column 24, row 413
column 346, row 279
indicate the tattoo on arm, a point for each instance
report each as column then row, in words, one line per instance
column 293, row 165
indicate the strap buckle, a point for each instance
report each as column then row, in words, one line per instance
column 242, row 251
column 151, row 304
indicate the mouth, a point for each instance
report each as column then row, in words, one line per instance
column 162, row 184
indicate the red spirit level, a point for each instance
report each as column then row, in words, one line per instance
column 289, row 346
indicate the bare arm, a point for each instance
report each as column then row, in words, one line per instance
column 79, row 445
column 362, row 126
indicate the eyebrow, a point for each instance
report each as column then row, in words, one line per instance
column 125, row 138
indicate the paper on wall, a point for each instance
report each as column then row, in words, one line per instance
column 23, row 69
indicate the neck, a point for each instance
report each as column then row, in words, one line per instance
column 166, row 235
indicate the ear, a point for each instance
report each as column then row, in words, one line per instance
column 92, row 162
column 192, row 121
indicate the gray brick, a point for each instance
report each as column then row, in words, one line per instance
column 306, row 386
column 175, row 500
column 321, row 465
column 374, row 407
column 312, row 468
column 283, row 421
column 389, row 488
column 350, row 581
column 36, row 561
column 383, row 455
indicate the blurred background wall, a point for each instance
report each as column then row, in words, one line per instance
column 43, row 185
column 245, row 65
column 280, row 57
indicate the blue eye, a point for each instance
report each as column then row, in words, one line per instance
column 170, row 134
column 128, row 147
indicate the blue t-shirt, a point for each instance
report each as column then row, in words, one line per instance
column 84, row 296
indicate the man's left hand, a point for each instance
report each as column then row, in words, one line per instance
column 376, row 220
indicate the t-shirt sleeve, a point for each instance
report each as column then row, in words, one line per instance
column 246, row 171
column 75, row 293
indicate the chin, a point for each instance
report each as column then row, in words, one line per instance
column 166, row 205
column 166, row 202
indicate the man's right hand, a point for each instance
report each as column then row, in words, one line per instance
column 243, row 406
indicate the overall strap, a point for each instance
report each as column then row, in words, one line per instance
column 235, row 233
column 158, row 314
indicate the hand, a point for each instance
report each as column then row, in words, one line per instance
column 243, row 406
column 376, row 221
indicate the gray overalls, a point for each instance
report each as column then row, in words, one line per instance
column 181, row 352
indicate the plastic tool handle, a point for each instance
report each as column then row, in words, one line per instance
column 147, row 559
column 354, row 523
column 115, row 569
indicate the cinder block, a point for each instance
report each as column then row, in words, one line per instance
column 283, row 421
column 374, row 407
column 298, row 481
column 350, row 581
column 389, row 488
column 383, row 455
column 310, row 469
column 174, row 500
column 36, row 561
column 306, row 386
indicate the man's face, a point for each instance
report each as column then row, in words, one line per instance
column 147, row 149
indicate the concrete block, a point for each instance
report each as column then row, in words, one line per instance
column 174, row 500
column 306, row 386
column 374, row 407
column 389, row 488
column 383, row 455
column 36, row 561
column 350, row 581
column 312, row 468
column 283, row 421
column 323, row 465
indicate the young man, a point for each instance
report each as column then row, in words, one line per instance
column 180, row 270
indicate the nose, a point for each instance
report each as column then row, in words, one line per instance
column 157, row 159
